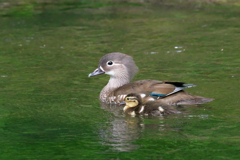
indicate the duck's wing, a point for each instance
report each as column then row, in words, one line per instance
column 168, row 88
column 172, row 93
column 163, row 91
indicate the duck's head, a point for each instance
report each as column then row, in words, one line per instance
column 132, row 100
column 117, row 65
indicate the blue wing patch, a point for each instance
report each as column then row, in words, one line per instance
column 177, row 89
column 157, row 94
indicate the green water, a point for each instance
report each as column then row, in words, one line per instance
column 50, row 108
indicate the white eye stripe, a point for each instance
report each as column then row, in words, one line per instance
column 114, row 63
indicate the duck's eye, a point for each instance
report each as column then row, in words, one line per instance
column 109, row 63
column 128, row 99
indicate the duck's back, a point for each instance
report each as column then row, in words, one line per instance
column 170, row 92
column 140, row 87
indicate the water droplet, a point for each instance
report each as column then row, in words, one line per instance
column 153, row 52
column 176, row 47
column 178, row 51
column 3, row 75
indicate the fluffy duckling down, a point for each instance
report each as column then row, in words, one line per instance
column 134, row 105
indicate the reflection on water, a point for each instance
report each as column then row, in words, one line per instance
column 122, row 133
column 123, row 129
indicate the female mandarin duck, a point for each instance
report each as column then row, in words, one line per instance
column 122, row 69
column 134, row 105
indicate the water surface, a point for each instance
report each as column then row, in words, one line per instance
column 50, row 108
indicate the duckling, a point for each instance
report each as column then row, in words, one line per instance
column 134, row 105
column 122, row 69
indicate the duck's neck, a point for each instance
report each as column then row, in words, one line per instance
column 113, row 83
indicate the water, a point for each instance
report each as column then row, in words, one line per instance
column 50, row 108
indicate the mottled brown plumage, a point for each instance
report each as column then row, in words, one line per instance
column 122, row 68
column 134, row 106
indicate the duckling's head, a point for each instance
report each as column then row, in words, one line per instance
column 117, row 65
column 133, row 100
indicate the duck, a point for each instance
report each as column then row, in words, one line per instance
column 121, row 68
column 135, row 106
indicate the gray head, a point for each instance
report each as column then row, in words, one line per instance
column 116, row 65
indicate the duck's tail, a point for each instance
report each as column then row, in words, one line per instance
column 194, row 101
column 184, row 98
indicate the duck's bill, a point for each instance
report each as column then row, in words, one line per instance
column 97, row 71
column 123, row 103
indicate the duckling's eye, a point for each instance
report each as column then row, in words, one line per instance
column 128, row 99
column 109, row 63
